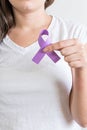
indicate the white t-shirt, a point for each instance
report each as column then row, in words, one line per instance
column 36, row 97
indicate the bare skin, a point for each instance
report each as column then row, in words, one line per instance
column 29, row 22
column 31, row 18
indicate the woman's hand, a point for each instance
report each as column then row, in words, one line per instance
column 74, row 52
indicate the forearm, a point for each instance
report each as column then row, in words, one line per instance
column 78, row 99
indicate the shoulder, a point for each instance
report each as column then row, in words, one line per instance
column 72, row 28
column 68, row 23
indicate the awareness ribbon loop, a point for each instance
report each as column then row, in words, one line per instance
column 42, row 43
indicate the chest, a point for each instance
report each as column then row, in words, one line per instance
column 45, row 77
column 24, row 39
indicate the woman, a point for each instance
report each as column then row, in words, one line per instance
column 46, row 96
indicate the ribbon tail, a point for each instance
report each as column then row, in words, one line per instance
column 54, row 57
column 39, row 55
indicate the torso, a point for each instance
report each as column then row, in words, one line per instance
column 36, row 97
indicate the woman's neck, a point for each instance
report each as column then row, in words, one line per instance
column 32, row 20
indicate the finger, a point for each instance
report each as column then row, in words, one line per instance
column 70, row 50
column 60, row 45
column 76, row 64
column 73, row 57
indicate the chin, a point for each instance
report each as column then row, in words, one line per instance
column 26, row 8
column 28, row 5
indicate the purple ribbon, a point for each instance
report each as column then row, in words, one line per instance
column 42, row 43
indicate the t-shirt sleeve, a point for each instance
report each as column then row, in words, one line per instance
column 82, row 33
column 78, row 31
column 71, row 29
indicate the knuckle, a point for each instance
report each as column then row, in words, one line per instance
column 74, row 40
column 66, row 59
column 62, row 52
column 52, row 47
column 75, row 64
column 83, row 54
column 85, row 60
column 81, row 46
column 71, row 64
column 60, row 45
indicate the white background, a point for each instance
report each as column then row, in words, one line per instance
column 75, row 10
